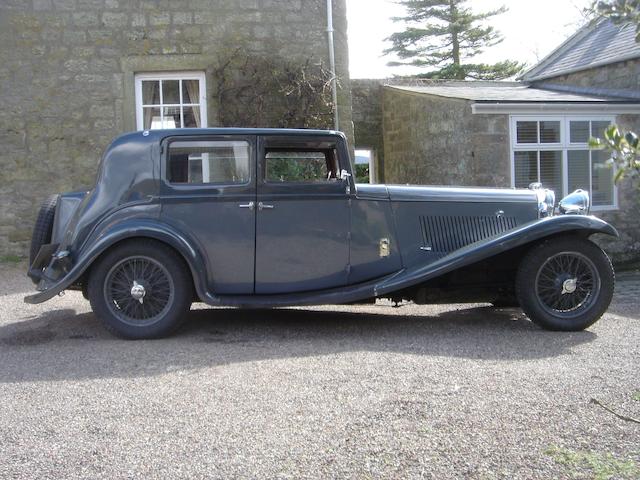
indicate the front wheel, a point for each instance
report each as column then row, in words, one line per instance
column 140, row 289
column 565, row 284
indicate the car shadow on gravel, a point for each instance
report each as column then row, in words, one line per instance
column 62, row 345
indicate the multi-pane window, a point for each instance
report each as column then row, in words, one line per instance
column 215, row 162
column 171, row 100
column 554, row 151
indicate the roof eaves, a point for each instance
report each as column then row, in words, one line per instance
column 582, row 68
column 625, row 95
column 410, row 91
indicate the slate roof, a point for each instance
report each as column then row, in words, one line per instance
column 506, row 92
column 596, row 44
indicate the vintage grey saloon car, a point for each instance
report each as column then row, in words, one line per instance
column 273, row 217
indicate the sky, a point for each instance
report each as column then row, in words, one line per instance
column 531, row 30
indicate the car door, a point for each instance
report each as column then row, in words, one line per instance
column 208, row 192
column 302, row 215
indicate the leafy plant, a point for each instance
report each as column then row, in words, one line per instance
column 445, row 35
column 362, row 173
column 270, row 91
column 624, row 148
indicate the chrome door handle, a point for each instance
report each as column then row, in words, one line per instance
column 249, row 205
column 262, row 206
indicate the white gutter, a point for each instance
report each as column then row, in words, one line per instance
column 332, row 65
column 562, row 108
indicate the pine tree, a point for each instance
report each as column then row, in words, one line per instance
column 444, row 35
column 620, row 12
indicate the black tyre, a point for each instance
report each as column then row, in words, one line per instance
column 565, row 284
column 140, row 289
column 43, row 227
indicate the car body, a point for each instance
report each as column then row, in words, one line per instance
column 273, row 217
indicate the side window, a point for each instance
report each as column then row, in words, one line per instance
column 301, row 165
column 202, row 162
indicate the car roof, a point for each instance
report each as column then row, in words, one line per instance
column 156, row 135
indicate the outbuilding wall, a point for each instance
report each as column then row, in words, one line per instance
column 438, row 141
column 67, row 73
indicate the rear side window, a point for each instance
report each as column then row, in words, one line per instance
column 204, row 162
column 284, row 165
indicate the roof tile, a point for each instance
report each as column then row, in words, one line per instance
column 596, row 44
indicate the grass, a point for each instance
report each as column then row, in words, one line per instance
column 636, row 395
column 599, row 466
column 10, row 259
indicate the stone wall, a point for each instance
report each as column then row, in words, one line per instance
column 620, row 75
column 67, row 73
column 438, row 141
column 366, row 96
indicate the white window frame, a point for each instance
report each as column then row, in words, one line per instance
column 200, row 76
column 565, row 146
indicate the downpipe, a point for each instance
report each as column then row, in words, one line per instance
column 332, row 65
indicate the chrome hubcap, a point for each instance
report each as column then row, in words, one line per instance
column 569, row 285
column 138, row 292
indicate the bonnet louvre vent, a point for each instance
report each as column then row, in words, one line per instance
column 444, row 234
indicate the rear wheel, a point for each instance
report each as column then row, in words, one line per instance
column 565, row 284
column 141, row 289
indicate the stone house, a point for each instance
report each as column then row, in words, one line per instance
column 76, row 73
column 509, row 134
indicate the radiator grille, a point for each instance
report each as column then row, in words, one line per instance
column 444, row 234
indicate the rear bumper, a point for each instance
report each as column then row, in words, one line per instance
column 50, row 271
column 42, row 260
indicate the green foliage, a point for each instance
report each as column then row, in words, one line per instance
column 636, row 395
column 621, row 12
column 269, row 91
column 292, row 169
column 601, row 466
column 10, row 259
column 362, row 173
column 443, row 35
column 624, row 148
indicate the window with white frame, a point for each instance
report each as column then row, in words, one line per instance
column 554, row 151
column 170, row 100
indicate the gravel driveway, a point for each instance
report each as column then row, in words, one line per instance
column 452, row 391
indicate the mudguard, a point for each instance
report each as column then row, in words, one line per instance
column 133, row 228
column 475, row 252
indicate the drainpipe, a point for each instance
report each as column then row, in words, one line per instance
column 332, row 65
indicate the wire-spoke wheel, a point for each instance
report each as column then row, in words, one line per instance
column 141, row 289
column 138, row 290
column 565, row 284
